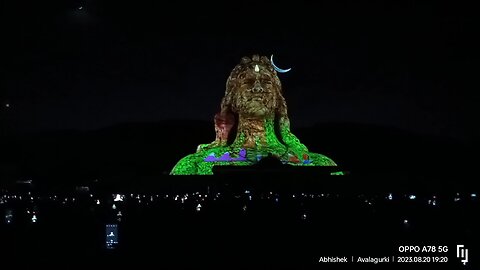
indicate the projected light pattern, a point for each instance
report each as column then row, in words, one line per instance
column 255, row 112
column 226, row 157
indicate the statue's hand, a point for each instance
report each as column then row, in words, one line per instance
column 207, row 146
column 298, row 156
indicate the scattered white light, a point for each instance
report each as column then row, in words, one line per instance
column 473, row 195
column 98, row 202
column 80, row 8
column 114, row 207
column 390, row 196
column 118, row 198
column 7, row 105
column 34, row 218
column 199, row 207
column 304, row 216
column 412, row 197
column 9, row 216
column 405, row 221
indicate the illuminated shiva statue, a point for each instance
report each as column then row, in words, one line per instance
column 252, row 124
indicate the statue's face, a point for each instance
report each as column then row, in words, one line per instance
column 256, row 93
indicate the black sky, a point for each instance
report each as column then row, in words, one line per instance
column 406, row 65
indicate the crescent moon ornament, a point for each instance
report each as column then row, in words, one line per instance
column 277, row 68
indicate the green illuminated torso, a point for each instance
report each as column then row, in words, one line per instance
column 257, row 145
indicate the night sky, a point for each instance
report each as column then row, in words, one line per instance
column 91, row 64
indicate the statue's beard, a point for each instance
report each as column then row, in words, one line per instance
column 255, row 106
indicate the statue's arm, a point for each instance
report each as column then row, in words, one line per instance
column 288, row 137
column 300, row 150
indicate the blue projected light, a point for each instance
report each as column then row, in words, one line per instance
column 111, row 236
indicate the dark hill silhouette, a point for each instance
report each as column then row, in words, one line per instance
column 368, row 146
column 136, row 150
